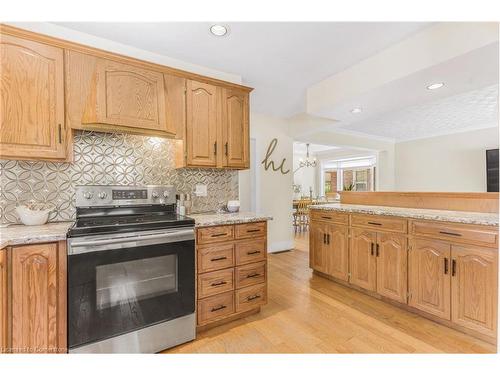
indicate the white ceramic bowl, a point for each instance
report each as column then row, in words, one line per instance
column 233, row 206
column 33, row 217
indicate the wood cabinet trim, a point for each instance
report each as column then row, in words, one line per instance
column 53, row 41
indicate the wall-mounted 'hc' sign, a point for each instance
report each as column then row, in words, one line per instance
column 269, row 163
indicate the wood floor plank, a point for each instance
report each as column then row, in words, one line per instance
column 310, row 314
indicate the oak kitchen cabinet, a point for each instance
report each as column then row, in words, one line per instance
column 232, row 271
column 447, row 271
column 36, row 313
column 3, row 299
column 217, row 127
column 51, row 87
column 31, row 100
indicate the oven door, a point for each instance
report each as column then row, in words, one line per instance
column 123, row 283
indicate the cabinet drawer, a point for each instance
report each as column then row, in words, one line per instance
column 250, row 274
column 380, row 223
column 216, row 307
column 215, row 282
column 214, row 234
column 250, row 251
column 250, row 297
column 462, row 233
column 250, row 230
column 215, row 257
column 330, row 216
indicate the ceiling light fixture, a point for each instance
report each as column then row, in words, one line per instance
column 219, row 30
column 435, row 86
column 356, row 110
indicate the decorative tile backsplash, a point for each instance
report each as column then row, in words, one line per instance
column 108, row 159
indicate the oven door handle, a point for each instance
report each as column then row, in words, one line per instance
column 107, row 244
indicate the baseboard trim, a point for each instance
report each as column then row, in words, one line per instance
column 274, row 247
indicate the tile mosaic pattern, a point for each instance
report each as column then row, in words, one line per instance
column 104, row 159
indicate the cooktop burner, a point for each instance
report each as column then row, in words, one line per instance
column 125, row 209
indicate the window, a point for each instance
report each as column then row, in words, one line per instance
column 348, row 174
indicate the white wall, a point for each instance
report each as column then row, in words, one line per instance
column 273, row 190
column 454, row 162
column 306, row 176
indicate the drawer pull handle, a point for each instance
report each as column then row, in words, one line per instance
column 217, row 259
column 218, row 234
column 253, row 230
column 253, row 275
column 326, row 217
column 450, row 233
column 374, row 223
column 221, row 307
column 219, row 283
column 255, row 296
column 253, row 252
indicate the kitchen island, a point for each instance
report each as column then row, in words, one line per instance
column 441, row 264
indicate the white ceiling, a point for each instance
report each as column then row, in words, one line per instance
column 279, row 59
column 471, row 110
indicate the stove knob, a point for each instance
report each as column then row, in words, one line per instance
column 165, row 194
column 155, row 195
column 103, row 195
column 87, row 195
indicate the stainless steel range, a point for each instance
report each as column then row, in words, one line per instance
column 131, row 271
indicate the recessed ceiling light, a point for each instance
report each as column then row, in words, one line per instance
column 356, row 110
column 435, row 86
column 219, row 30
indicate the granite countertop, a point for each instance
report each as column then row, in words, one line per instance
column 463, row 217
column 213, row 219
column 23, row 234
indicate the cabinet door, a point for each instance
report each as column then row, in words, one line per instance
column 474, row 287
column 236, row 136
column 38, row 298
column 336, row 251
column 429, row 277
column 31, row 100
column 3, row 300
column 127, row 96
column 175, row 96
column 392, row 263
column 317, row 243
column 362, row 259
column 201, row 126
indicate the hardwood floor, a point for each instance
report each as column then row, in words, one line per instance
column 309, row 314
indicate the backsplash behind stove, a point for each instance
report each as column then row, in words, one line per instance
column 108, row 159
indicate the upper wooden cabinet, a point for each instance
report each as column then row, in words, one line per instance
column 125, row 95
column 175, row 96
column 474, row 288
column 217, row 131
column 235, row 129
column 31, row 100
column 201, row 126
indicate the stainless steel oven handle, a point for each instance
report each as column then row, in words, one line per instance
column 132, row 238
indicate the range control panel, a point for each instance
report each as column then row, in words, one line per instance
column 107, row 195
column 130, row 194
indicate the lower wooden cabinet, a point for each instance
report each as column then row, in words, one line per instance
column 3, row 300
column 391, row 252
column 474, row 288
column 430, row 277
column 363, row 263
column 330, row 254
column 37, row 303
column 232, row 271
column 433, row 270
